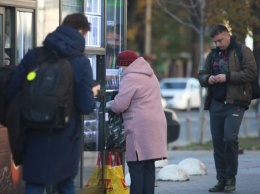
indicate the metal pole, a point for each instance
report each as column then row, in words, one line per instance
column 82, row 156
column 148, row 28
column 201, row 110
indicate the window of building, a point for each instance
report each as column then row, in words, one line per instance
column 9, row 53
column 47, row 19
column 71, row 6
column 93, row 11
column 1, row 37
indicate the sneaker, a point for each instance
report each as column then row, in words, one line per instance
column 230, row 185
column 218, row 187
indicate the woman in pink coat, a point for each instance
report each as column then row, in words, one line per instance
column 139, row 101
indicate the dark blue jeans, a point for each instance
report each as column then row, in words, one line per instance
column 225, row 121
column 142, row 175
column 64, row 187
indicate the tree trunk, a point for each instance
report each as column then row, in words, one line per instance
column 202, row 34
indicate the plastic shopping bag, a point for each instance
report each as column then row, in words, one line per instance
column 116, row 138
column 114, row 176
column 96, row 176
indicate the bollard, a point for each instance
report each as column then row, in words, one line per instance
column 205, row 127
column 203, row 130
column 188, row 132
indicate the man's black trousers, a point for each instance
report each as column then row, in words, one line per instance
column 225, row 121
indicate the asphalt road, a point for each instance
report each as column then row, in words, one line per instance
column 247, row 178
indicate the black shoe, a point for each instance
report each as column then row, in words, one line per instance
column 230, row 184
column 218, row 187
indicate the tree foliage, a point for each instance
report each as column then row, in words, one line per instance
column 171, row 37
column 239, row 16
column 135, row 25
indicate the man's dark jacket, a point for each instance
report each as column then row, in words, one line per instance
column 239, row 90
column 51, row 158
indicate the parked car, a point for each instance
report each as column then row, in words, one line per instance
column 163, row 102
column 181, row 93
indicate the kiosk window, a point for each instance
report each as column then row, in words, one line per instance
column 93, row 11
column 115, row 31
column 24, row 33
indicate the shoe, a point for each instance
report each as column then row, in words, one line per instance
column 218, row 187
column 230, row 184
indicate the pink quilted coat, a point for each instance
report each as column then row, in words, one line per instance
column 139, row 100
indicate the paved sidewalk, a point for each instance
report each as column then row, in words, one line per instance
column 248, row 178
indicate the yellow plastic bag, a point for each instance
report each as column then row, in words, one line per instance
column 96, row 176
column 114, row 177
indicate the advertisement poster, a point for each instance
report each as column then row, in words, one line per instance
column 10, row 175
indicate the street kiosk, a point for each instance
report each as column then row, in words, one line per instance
column 23, row 25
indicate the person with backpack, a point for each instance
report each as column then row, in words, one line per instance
column 51, row 157
column 229, row 94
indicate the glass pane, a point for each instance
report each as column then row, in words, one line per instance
column 112, row 79
column 93, row 63
column 94, row 36
column 9, row 32
column 90, row 146
column 1, row 41
column 94, row 8
column 93, row 12
column 115, row 31
column 48, row 18
column 89, row 163
column 71, row 6
column 24, row 33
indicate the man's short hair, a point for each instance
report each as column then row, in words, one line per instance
column 217, row 29
column 77, row 21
